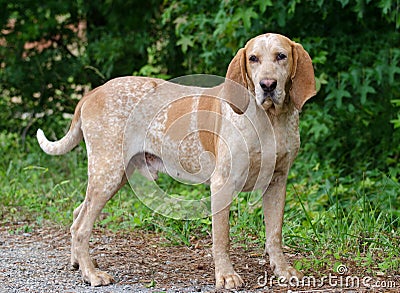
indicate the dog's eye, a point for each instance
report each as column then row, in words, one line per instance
column 280, row 56
column 253, row 58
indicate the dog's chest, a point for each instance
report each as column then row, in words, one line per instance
column 286, row 130
column 284, row 142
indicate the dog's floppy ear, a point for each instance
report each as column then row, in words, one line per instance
column 303, row 80
column 236, row 89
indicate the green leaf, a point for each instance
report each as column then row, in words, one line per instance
column 365, row 90
column 392, row 70
column 396, row 102
column 245, row 14
column 185, row 42
column 179, row 22
column 152, row 284
column 263, row 4
column 344, row 3
column 320, row 80
column 396, row 122
column 339, row 94
column 385, row 5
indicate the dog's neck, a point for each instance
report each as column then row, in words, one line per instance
column 287, row 107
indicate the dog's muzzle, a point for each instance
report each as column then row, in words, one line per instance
column 268, row 86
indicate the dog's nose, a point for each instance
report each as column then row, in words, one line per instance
column 268, row 85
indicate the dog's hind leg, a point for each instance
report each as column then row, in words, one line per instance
column 74, row 261
column 106, row 177
column 76, row 211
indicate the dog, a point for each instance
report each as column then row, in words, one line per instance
column 241, row 135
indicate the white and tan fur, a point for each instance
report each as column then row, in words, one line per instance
column 221, row 136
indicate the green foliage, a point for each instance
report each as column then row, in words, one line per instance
column 51, row 51
column 343, row 217
column 34, row 53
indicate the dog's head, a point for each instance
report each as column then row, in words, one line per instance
column 272, row 68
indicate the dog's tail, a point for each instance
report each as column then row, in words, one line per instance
column 70, row 140
column 65, row 144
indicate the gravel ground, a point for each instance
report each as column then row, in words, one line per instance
column 31, row 265
column 35, row 267
column 38, row 261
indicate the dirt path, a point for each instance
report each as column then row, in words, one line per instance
column 38, row 261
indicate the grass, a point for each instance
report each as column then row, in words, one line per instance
column 329, row 219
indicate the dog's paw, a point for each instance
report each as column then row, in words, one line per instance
column 228, row 280
column 287, row 272
column 98, row 278
column 75, row 264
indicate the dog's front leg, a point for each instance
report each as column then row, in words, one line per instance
column 274, row 204
column 225, row 275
